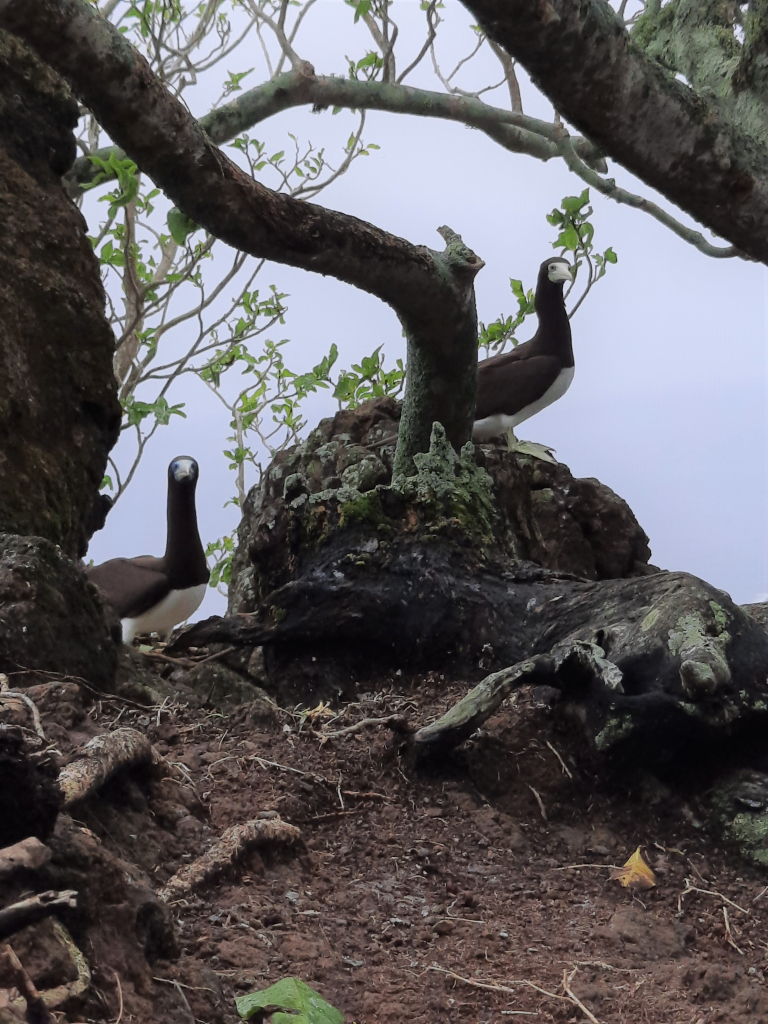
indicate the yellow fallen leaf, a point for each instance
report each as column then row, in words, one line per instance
column 323, row 710
column 635, row 874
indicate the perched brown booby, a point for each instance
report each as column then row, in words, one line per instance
column 515, row 385
column 152, row 595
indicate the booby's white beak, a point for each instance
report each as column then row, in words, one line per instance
column 560, row 272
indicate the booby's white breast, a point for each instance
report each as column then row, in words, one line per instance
column 175, row 607
column 500, row 423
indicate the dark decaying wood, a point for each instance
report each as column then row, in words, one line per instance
column 655, row 662
column 34, row 909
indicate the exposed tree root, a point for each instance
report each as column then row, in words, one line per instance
column 101, row 758
column 29, row 855
column 235, row 842
column 34, row 909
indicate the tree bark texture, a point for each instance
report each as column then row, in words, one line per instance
column 580, row 55
column 59, row 414
column 431, row 292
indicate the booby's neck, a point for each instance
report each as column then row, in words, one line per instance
column 554, row 334
column 184, row 556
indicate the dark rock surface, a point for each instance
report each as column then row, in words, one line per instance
column 51, row 619
column 59, row 413
column 486, row 562
column 29, row 795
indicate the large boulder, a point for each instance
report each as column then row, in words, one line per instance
column 482, row 561
column 338, row 480
column 51, row 619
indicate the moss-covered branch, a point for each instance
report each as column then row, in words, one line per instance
column 301, row 87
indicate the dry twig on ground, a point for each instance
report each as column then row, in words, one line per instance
column 37, row 1011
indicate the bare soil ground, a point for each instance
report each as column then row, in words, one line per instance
column 476, row 891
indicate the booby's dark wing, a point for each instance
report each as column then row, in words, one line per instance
column 512, row 381
column 131, row 585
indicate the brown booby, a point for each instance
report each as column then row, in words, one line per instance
column 152, row 595
column 515, row 385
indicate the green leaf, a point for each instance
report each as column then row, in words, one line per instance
column 181, row 226
column 362, row 7
column 570, row 238
column 290, row 994
column 572, row 204
column 610, row 256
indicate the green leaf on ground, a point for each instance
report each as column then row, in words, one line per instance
column 290, row 995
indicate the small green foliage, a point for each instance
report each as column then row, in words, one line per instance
column 126, row 172
column 360, row 7
column 496, row 335
column 575, row 234
column 575, row 237
column 233, row 82
column 136, row 411
column 180, row 225
column 220, row 554
column 368, row 379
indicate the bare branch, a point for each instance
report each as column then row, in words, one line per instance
column 509, row 73
column 431, row 33
column 609, row 188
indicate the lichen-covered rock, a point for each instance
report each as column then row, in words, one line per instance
column 50, row 616
column 504, row 505
column 59, row 413
column 737, row 811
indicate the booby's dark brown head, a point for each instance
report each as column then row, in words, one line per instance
column 554, row 273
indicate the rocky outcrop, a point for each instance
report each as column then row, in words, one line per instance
column 50, row 617
column 486, row 562
column 59, row 413
column 339, row 479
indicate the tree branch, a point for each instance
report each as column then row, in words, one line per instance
column 511, row 129
column 432, row 293
column 609, row 188
column 580, row 55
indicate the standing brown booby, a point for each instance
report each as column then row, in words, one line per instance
column 152, row 595
column 515, row 385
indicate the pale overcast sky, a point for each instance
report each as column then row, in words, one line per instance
column 669, row 402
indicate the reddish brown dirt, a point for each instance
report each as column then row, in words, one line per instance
column 407, row 876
